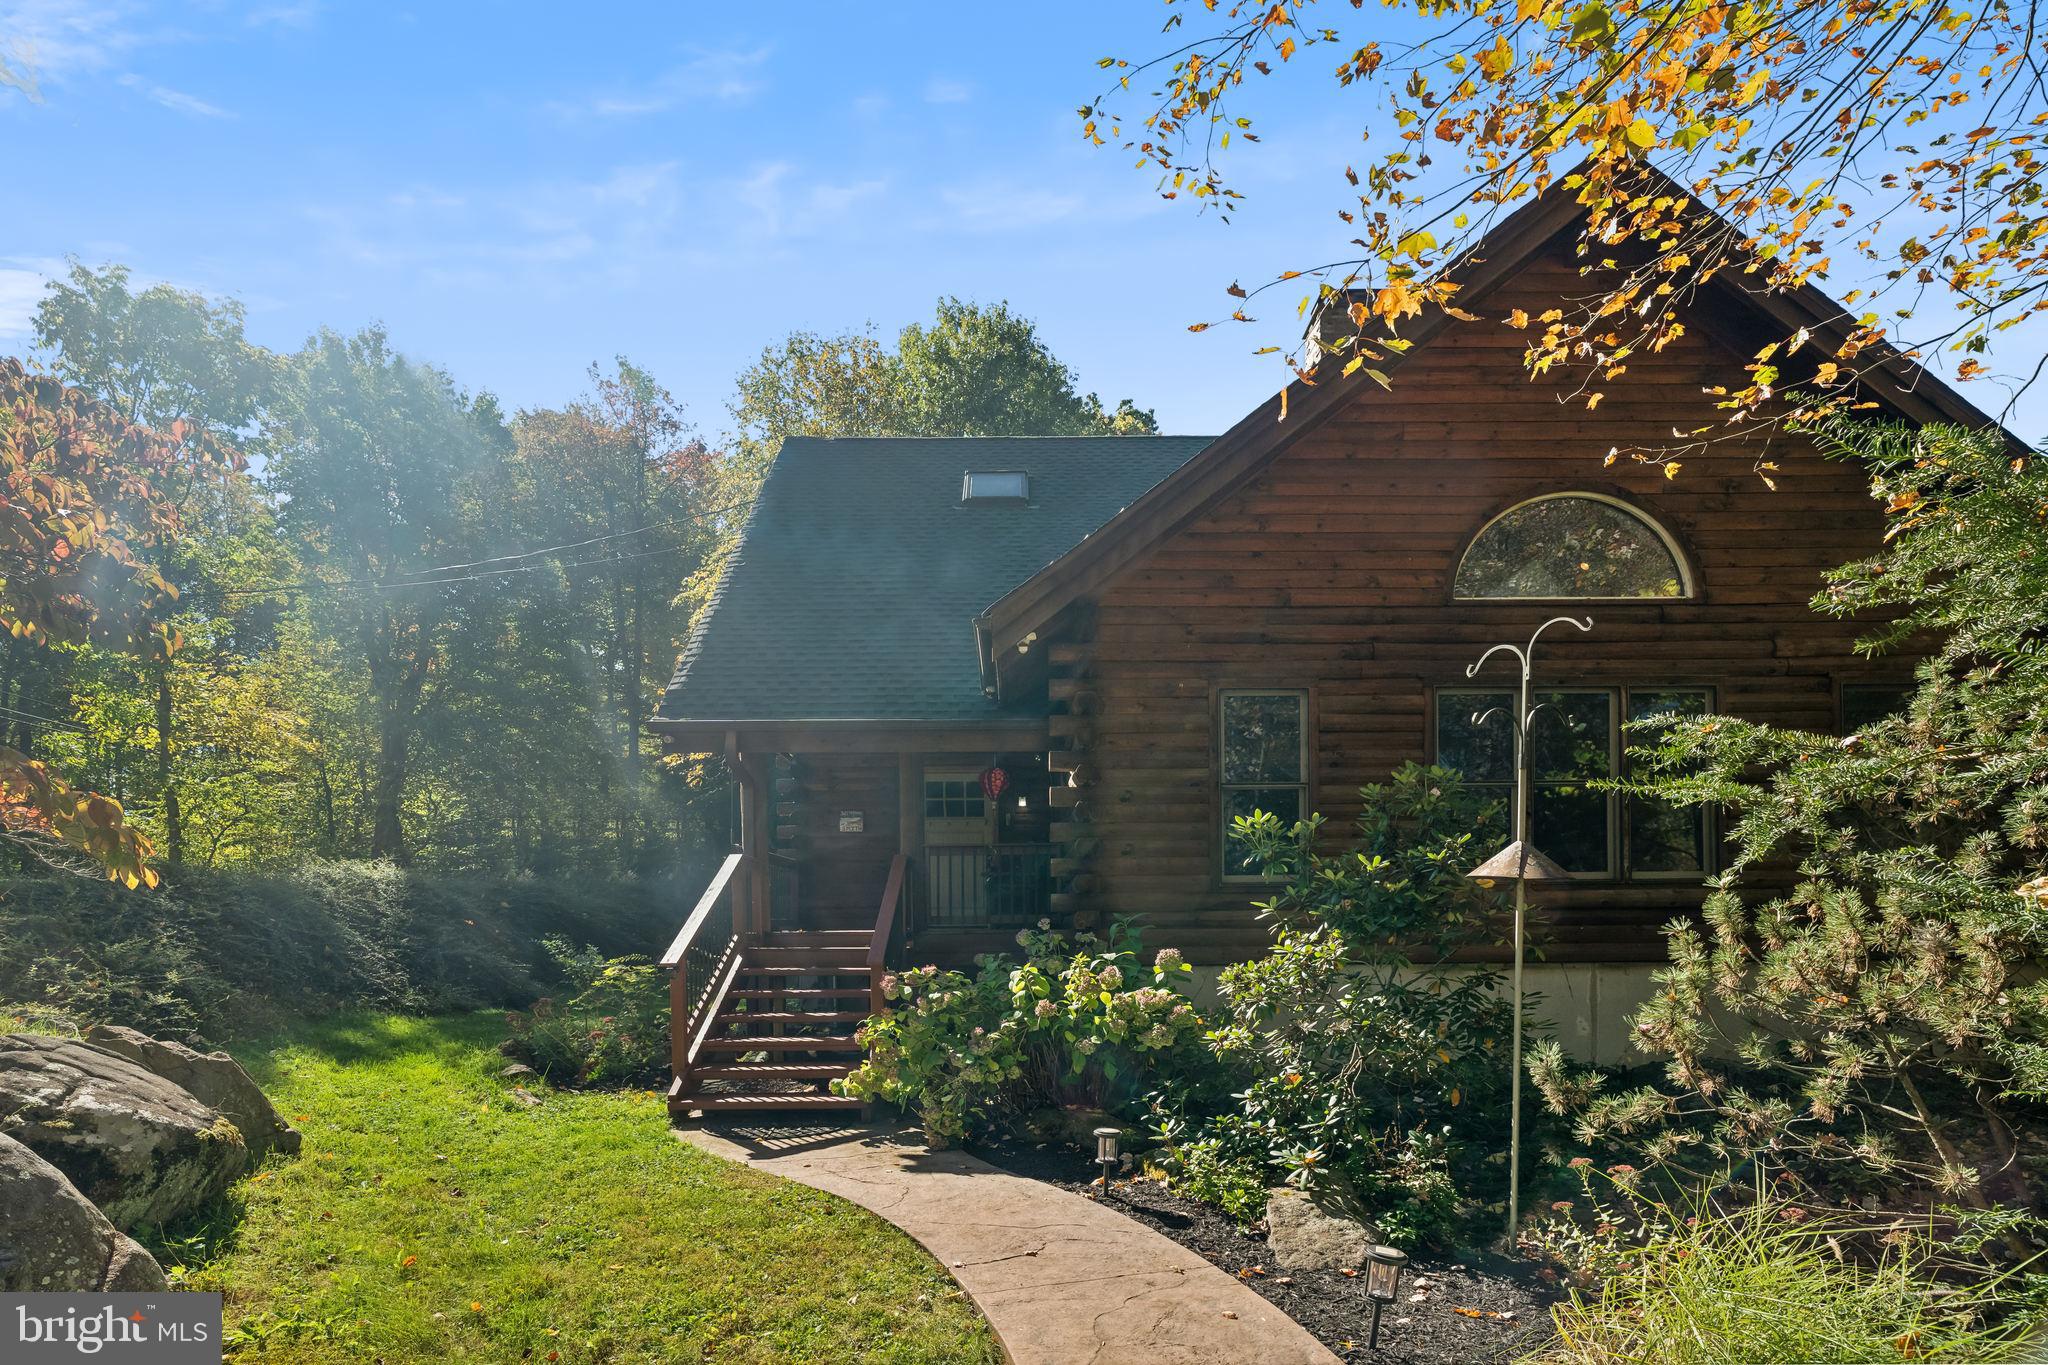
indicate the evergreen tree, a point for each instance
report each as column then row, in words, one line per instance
column 1871, row 944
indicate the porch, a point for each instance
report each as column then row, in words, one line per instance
column 847, row 863
column 977, row 831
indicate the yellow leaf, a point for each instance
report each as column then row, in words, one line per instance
column 1497, row 61
column 1641, row 134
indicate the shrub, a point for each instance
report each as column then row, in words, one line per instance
column 1083, row 1025
column 1894, row 1023
column 1374, row 1072
column 1223, row 1168
column 609, row 1026
column 1766, row 1281
column 227, row 952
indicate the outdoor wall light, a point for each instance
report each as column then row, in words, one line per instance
column 1383, row 1266
column 1106, row 1153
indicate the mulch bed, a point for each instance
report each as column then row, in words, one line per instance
column 1510, row 1304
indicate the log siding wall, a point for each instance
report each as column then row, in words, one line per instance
column 1332, row 572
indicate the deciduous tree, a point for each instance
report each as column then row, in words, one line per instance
column 165, row 358
column 83, row 501
column 1890, row 150
column 380, row 465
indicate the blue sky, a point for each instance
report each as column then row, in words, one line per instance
column 520, row 190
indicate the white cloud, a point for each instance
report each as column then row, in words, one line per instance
column 939, row 91
column 175, row 100
column 996, row 206
column 782, row 210
column 529, row 231
column 44, row 42
column 727, row 76
column 300, row 15
column 20, row 292
column 762, row 192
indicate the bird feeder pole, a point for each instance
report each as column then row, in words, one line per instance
column 1521, row 863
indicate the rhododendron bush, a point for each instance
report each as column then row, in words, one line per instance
column 1086, row 1024
column 1370, row 1064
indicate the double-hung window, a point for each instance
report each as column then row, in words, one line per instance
column 1263, row 750
column 1576, row 740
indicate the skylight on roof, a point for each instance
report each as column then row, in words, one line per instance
column 995, row 486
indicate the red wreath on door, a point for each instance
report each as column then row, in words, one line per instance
column 993, row 781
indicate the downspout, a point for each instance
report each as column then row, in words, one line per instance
column 985, row 659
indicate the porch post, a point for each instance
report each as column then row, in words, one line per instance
column 910, row 833
column 750, row 888
column 756, row 846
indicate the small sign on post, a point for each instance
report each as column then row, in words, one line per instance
column 852, row 822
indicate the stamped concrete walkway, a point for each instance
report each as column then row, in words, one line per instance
column 1062, row 1279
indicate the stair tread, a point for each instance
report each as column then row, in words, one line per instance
column 802, row 993
column 837, row 937
column 784, row 1042
column 780, row 968
column 715, row 1102
column 836, row 956
column 772, row 1071
column 793, row 1017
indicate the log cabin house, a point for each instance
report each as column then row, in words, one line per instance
column 966, row 684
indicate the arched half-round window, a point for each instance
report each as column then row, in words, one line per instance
column 1572, row 545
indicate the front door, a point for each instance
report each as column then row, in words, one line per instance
column 959, row 827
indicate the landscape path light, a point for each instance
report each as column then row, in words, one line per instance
column 1382, row 1282
column 1106, row 1153
column 1520, row 863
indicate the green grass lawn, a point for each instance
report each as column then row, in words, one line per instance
column 431, row 1217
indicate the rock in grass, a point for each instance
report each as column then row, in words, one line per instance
column 141, row 1147
column 1306, row 1236
column 213, row 1078
column 52, row 1239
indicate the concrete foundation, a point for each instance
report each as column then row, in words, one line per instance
column 1585, row 1006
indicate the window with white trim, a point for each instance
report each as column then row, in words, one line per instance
column 1577, row 739
column 1580, row 546
column 1262, row 763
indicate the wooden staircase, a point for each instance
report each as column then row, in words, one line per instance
column 785, row 1032
column 763, row 1021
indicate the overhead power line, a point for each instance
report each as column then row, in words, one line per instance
column 442, row 575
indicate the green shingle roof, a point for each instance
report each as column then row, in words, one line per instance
column 854, row 589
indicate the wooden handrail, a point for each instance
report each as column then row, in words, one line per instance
column 885, row 929
column 705, row 903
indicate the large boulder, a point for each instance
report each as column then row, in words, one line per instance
column 142, row 1148
column 53, row 1240
column 214, row 1078
column 1306, row 1236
